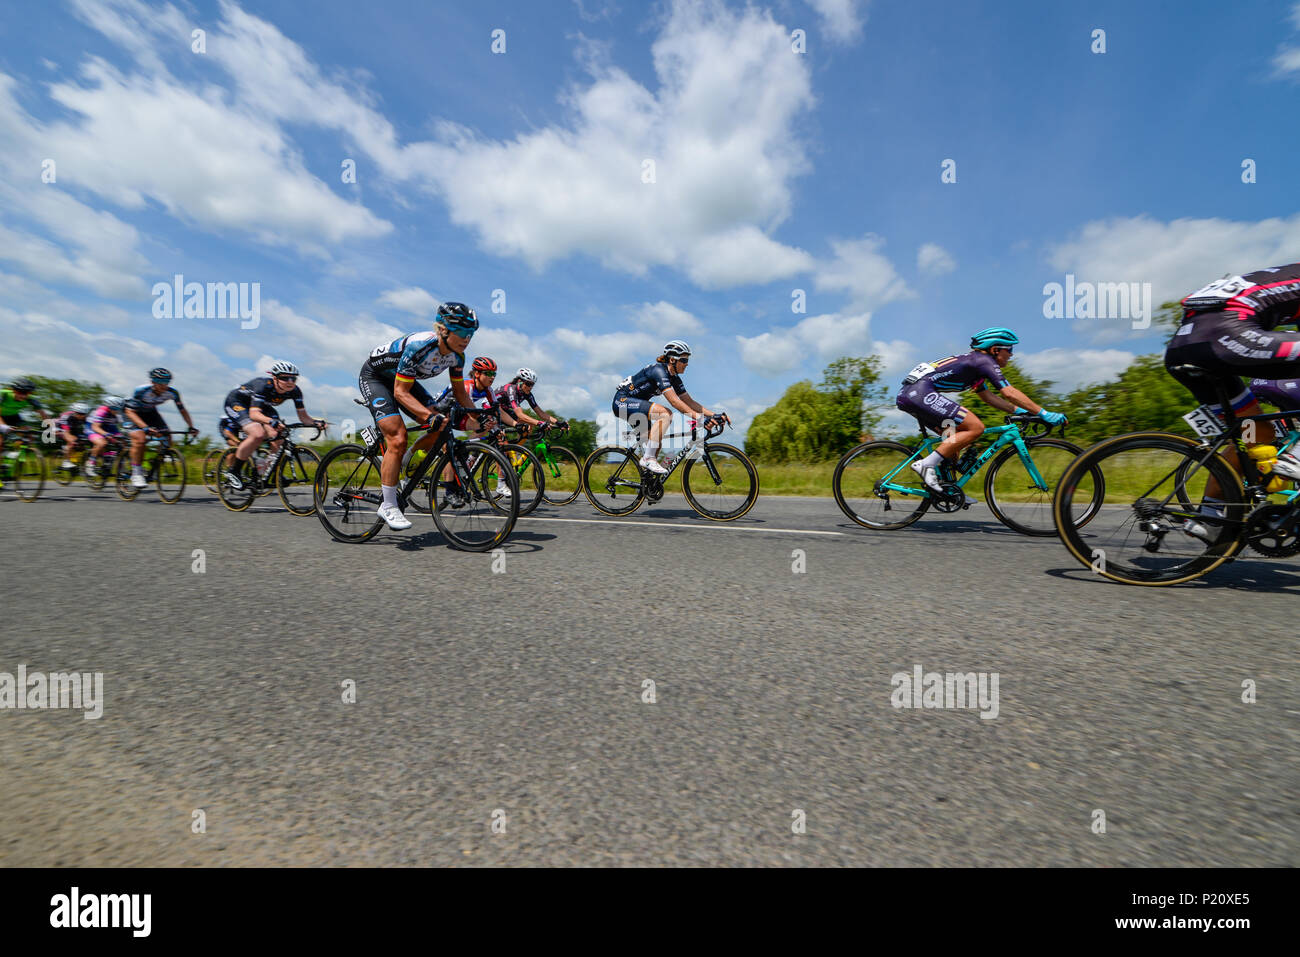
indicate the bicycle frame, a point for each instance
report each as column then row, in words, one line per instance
column 1006, row 435
column 702, row 447
column 406, row 489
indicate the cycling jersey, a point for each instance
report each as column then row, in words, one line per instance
column 922, row 393
column 261, row 393
column 510, row 397
column 653, row 380
column 1228, row 327
column 145, row 398
column 12, row 407
column 71, row 422
column 105, row 418
column 1283, row 393
column 479, row 398
column 415, row 356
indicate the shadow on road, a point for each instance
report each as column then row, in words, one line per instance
column 1249, row 574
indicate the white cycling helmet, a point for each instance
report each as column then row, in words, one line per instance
column 676, row 349
column 81, row 408
column 526, row 375
column 115, row 402
column 283, row 368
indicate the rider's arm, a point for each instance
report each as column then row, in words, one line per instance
column 1009, row 399
column 684, row 403
column 461, row 394
column 185, row 413
column 402, row 393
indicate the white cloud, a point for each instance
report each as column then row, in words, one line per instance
column 859, row 270
column 610, row 351
column 1069, row 369
column 841, row 19
column 828, row 336
column 417, row 301
column 665, row 319
column 1287, row 59
column 934, row 260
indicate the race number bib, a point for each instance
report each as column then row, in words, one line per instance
column 1204, row 422
column 626, row 384
column 1221, row 290
column 920, row 372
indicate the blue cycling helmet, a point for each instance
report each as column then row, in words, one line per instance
column 993, row 336
column 160, row 374
column 458, row 318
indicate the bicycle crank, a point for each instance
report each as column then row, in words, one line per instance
column 1266, row 534
column 951, row 499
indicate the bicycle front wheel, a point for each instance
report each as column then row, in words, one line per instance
column 611, row 480
column 210, row 463
column 1022, row 501
column 721, row 484
column 474, row 518
column 295, row 478
column 563, row 476
column 122, row 476
column 346, row 494
column 529, row 478
column 169, row 475
column 1142, row 534
column 29, row 472
column 65, row 476
column 874, row 487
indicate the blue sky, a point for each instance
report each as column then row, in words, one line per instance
column 522, row 171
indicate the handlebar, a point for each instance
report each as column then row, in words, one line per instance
column 1034, row 426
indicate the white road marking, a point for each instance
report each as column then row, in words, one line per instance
column 714, row 528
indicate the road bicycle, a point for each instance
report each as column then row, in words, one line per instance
column 530, row 478
column 876, row 488
column 718, row 480
column 163, row 465
column 1156, row 527
column 64, row 474
column 114, row 454
column 562, row 470
column 290, row 470
column 347, row 490
column 23, row 465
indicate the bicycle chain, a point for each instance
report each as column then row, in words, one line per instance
column 1263, row 537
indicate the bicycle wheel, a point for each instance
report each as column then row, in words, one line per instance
column 529, row 479
column 1017, row 501
column 29, row 471
column 874, row 487
column 346, row 493
column 611, row 480
column 169, row 475
column 237, row 499
column 65, row 476
column 122, row 476
column 476, row 520
column 210, row 463
column 295, row 477
column 1141, row 533
column 106, row 466
column 419, row 500
column 563, row 476
column 721, row 483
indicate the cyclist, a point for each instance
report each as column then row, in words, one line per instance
column 388, row 385
column 252, row 406
column 143, row 418
column 102, row 425
column 482, row 373
column 14, row 399
column 662, row 377
column 1228, row 329
column 229, row 430
column 922, row 397
column 518, row 390
column 72, row 427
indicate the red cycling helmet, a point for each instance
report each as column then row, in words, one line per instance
column 484, row 364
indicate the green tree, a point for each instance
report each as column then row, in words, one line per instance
column 580, row 439
column 57, row 394
column 816, row 423
column 1040, row 390
column 1144, row 396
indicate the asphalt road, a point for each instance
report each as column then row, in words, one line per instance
column 522, row 692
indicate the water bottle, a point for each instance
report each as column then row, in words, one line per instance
column 1265, row 457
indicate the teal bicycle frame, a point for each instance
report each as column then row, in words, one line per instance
column 1006, row 435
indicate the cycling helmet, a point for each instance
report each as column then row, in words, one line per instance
column 81, row 408
column 458, row 318
column 23, row 384
column 993, row 336
column 526, row 375
column 115, row 402
column 484, row 364
column 283, row 368
column 676, row 349
column 160, row 374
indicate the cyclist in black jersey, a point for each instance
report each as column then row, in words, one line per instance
column 922, row 396
column 649, row 419
column 142, row 418
column 1229, row 329
column 253, row 408
column 514, row 394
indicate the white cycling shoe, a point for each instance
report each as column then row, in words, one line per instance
column 393, row 517
column 652, row 465
column 503, row 491
column 137, row 481
column 929, row 475
column 1287, row 466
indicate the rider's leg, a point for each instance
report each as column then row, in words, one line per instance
column 660, row 419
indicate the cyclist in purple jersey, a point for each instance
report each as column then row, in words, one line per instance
column 980, row 370
column 518, row 391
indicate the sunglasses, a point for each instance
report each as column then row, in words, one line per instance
column 1006, row 349
column 287, row 378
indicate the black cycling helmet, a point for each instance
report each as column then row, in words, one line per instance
column 23, row 384
column 458, row 318
column 159, row 374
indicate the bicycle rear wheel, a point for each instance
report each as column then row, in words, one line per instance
column 210, row 463
column 476, row 520
column 1141, row 533
column 346, row 493
column 169, row 475
column 722, row 483
column 295, row 478
column 65, row 476
column 611, row 480
column 1016, row 500
column 29, row 472
column 106, row 466
column 563, row 476
column 122, row 476
column 874, row 487
column 530, row 480
column 235, row 498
